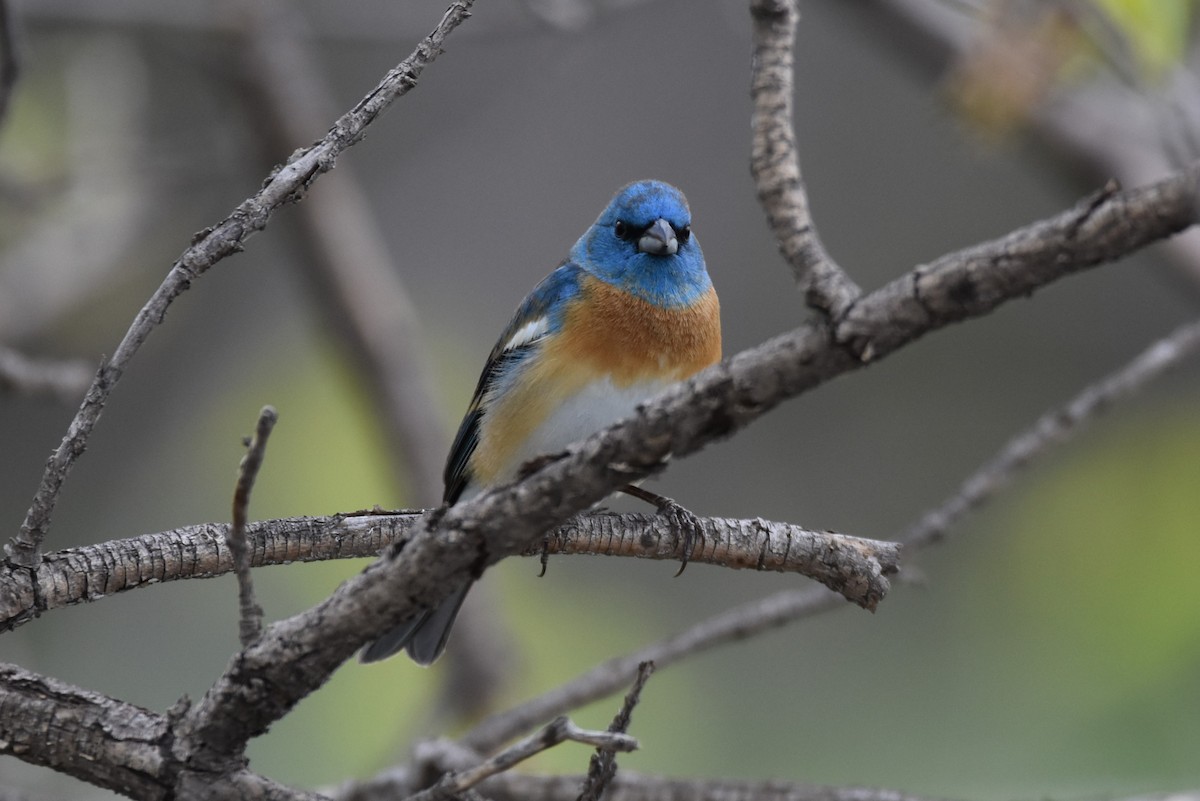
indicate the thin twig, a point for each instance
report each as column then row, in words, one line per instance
column 19, row 374
column 776, row 166
column 856, row 567
column 286, row 185
column 1053, row 428
column 250, row 613
column 609, row 677
column 557, row 731
column 603, row 765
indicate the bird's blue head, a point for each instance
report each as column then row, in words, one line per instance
column 643, row 243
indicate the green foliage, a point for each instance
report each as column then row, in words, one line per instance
column 1157, row 30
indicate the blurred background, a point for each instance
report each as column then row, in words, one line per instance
column 1053, row 646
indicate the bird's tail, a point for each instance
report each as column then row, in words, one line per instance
column 423, row 636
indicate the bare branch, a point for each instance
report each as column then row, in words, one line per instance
column 1107, row 225
column 603, row 765
column 609, row 677
column 558, row 731
column 81, row 733
column 79, row 575
column 114, row 745
column 641, row 787
column 250, row 613
column 284, row 186
column 1053, row 428
column 776, row 165
column 65, row 380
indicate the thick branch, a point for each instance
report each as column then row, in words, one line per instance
column 856, row 567
column 114, row 745
column 285, row 186
column 103, row 741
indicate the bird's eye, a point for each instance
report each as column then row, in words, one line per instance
column 684, row 234
column 623, row 230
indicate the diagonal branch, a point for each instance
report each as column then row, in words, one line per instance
column 286, row 185
column 1053, row 428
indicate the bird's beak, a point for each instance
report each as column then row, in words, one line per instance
column 659, row 239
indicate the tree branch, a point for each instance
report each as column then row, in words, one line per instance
column 603, row 765
column 286, row 185
column 1053, row 428
column 114, row 745
column 856, row 567
column 84, row 734
column 557, row 731
column 643, row 787
column 250, row 613
column 610, row 676
column 776, row 166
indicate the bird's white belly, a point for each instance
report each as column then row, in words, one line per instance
column 597, row 406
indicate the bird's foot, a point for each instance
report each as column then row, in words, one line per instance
column 683, row 520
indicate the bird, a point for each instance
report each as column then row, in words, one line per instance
column 630, row 311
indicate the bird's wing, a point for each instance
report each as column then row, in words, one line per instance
column 539, row 316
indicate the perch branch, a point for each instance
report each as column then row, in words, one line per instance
column 856, row 567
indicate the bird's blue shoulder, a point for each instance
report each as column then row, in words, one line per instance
column 539, row 315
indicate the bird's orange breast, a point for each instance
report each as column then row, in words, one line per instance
column 630, row 339
column 607, row 336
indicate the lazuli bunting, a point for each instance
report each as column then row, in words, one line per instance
column 630, row 311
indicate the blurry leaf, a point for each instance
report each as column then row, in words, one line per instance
column 1014, row 63
column 1105, row 558
column 1156, row 30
